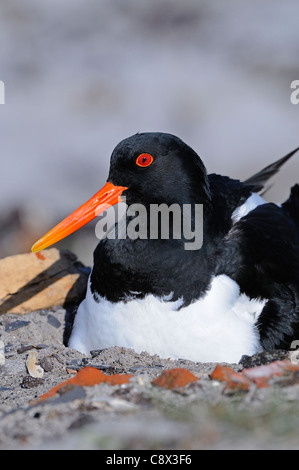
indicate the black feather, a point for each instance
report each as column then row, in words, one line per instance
column 259, row 180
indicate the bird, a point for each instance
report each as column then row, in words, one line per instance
column 235, row 294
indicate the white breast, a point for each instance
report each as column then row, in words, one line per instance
column 219, row 327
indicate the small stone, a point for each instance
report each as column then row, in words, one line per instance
column 53, row 321
column 174, row 378
column 31, row 382
column 33, row 368
column 232, row 379
column 15, row 325
column 263, row 375
column 86, row 377
column 24, row 348
column 96, row 352
column 46, row 364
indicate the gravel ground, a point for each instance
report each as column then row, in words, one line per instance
column 137, row 415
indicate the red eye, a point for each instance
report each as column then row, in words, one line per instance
column 145, row 159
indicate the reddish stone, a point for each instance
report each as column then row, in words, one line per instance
column 260, row 376
column 174, row 378
column 118, row 379
column 233, row 379
column 263, row 374
column 87, row 377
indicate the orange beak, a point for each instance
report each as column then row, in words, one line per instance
column 108, row 196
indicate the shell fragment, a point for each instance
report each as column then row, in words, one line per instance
column 33, row 368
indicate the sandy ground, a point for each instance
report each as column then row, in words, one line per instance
column 137, row 415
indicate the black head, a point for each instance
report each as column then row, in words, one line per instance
column 158, row 168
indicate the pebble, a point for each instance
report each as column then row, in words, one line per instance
column 53, row 321
column 15, row 325
column 33, row 368
column 2, row 357
column 24, row 348
column 31, row 382
column 175, row 378
column 46, row 364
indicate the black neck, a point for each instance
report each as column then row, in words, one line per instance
column 134, row 268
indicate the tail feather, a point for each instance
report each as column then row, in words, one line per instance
column 259, row 180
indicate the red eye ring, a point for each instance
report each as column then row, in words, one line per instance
column 144, row 160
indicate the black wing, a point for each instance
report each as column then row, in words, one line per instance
column 261, row 253
column 259, row 180
column 228, row 193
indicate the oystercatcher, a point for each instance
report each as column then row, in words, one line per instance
column 237, row 294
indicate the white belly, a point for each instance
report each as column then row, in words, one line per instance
column 217, row 328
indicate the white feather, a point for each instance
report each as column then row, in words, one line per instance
column 219, row 327
column 251, row 203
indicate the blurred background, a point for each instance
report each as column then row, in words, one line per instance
column 82, row 75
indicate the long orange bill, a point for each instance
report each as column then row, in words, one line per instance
column 108, row 196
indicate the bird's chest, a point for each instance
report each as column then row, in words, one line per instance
column 157, row 267
column 220, row 326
